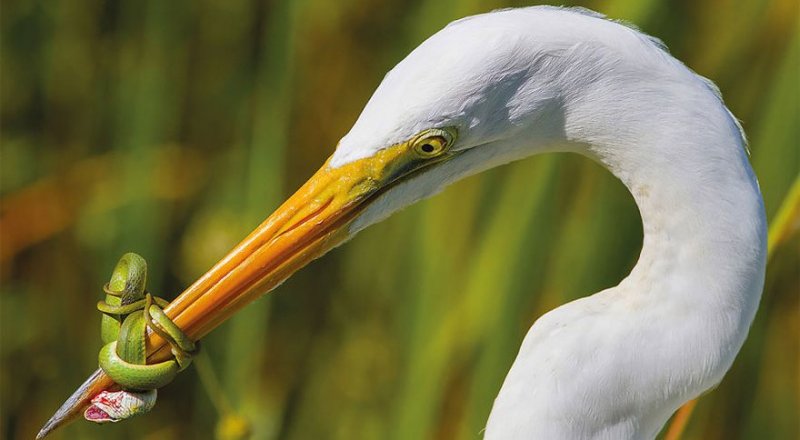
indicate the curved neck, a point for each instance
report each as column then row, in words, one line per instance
column 685, row 308
column 703, row 226
column 702, row 213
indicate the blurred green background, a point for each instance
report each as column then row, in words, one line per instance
column 172, row 128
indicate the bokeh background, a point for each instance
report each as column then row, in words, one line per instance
column 172, row 128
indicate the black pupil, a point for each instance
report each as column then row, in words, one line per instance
column 428, row 148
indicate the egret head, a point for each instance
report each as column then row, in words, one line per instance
column 480, row 88
column 487, row 76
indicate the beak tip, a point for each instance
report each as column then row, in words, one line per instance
column 48, row 427
column 44, row 431
column 74, row 404
column 55, row 421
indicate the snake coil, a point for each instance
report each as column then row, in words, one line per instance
column 128, row 312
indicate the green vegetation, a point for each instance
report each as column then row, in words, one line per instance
column 171, row 128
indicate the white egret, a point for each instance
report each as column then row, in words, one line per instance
column 498, row 87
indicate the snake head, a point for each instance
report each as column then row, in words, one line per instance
column 128, row 279
column 113, row 406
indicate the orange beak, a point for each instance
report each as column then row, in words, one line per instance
column 310, row 223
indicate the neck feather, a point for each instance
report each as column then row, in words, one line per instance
column 684, row 310
column 704, row 245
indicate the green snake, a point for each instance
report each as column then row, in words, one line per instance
column 128, row 311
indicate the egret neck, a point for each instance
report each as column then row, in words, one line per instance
column 674, row 325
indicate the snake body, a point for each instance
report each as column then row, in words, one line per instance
column 128, row 311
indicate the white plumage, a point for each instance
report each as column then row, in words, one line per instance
column 519, row 82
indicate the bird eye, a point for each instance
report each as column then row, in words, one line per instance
column 431, row 146
column 432, row 143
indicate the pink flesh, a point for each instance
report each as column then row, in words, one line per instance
column 95, row 414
